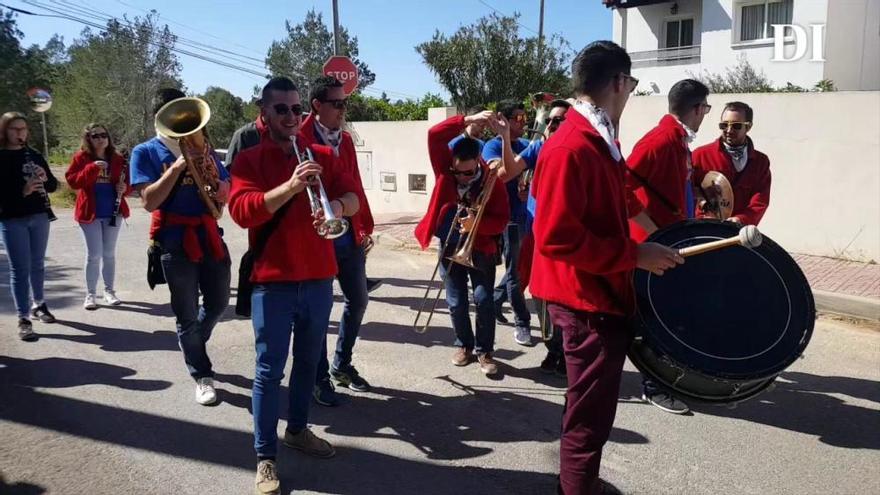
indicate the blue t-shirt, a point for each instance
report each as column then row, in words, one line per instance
column 105, row 195
column 492, row 150
column 149, row 161
column 461, row 136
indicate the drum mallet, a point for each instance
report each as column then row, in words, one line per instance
column 748, row 237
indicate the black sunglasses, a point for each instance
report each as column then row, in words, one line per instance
column 737, row 126
column 282, row 109
column 634, row 80
column 466, row 173
column 337, row 104
column 554, row 120
column 99, row 135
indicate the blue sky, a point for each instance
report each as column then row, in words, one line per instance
column 387, row 31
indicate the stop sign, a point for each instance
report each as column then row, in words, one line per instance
column 342, row 68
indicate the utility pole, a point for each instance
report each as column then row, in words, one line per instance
column 336, row 49
column 540, row 34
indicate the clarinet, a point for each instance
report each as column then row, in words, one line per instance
column 118, row 202
column 31, row 167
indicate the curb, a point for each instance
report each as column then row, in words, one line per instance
column 865, row 308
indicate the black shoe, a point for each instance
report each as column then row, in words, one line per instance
column 560, row 368
column 325, row 394
column 664, row 401
column 26, row 330
column 548, row 365
column 351, row 379
column 499, row 316
column 42, row 313
column 606, row 488
column 373, row 284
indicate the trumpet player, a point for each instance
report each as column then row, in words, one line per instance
column 293, row 275
column 324, row 126
column 194, row 257
column 460, row 175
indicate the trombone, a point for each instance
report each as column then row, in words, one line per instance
column 463, row 251
column 331, row 227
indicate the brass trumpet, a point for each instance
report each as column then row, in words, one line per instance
column 331, row 227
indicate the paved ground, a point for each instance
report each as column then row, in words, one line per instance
column 102, row 405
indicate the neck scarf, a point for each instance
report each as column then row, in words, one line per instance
column 172, row 144
column 330, row 137
column 738, row 155
column 602, row 123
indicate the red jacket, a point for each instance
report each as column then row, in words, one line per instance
column 445, row 193
column 584, row 257
column 294, row 251
column 660, row 158
column 83, row 173
column 362, row 221
column 751, row 187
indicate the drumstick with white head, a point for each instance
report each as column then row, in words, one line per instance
column 749, row 237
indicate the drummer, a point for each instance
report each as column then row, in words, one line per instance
column 734, row 155
column 659, row 183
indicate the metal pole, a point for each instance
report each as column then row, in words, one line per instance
column 336, row 49
column 45, row 139
column 541, row 34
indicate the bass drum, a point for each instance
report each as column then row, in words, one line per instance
column 721, row 327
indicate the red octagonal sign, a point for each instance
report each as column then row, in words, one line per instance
column 342, row 68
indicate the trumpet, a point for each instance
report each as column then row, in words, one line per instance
column 331, row 227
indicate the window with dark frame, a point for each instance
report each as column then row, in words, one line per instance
column 679, row 32
column 756, row 19
column 418, row 183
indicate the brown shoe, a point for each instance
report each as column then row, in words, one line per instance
column 487, row 365
column 308, row 443
column 462, row 356
column 267, row 482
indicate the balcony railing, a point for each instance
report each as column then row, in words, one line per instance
column 666, row 56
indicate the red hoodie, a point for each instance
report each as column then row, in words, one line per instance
column 660, row 158
column 751, row 187
column 445, row 193
column 584, row 257
column 294, row 251
column 362, row 221
column 82, row 174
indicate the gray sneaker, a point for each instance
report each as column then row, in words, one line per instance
column 267, row 482
column 26, row 330
column 308, row 443
column 665, row 401
column 523, row 336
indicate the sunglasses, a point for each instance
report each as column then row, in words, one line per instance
column 466, row 173
column 555, row 121
column 736, row 126
column 337, row 104
column 705, row 106
column 99, row 135
column 282, row 109
column 634, row 80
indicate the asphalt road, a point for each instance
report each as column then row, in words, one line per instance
column 102, row 404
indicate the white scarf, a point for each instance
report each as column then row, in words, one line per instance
column 602, row 123
column 172, row 144
column 738, row 154
column 330, row 137
column 690, row 135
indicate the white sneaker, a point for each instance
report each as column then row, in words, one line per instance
column 523, row 336
column 110, row 297
column 90, row 303
column 205, row 393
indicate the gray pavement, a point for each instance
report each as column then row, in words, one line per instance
column 101, row 404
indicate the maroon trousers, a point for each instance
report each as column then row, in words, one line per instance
column 595, row 348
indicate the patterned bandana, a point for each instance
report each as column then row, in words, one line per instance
column 738, row 154
column 331, row 137
column 602, row 122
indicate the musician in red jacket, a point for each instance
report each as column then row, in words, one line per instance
column 659, row 184
column 460, row 175
column 324, row 126
column 100, row 175
column 584, row 257
column 735, row 156
column 293, row 275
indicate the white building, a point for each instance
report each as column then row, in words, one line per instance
column 672, row 40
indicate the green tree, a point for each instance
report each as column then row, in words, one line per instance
column 364, row 108
column 741, row 78
column 301, row 55
column 227, row 115
column 112, row 76
column 489, row 61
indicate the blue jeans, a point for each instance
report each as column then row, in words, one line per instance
column 100, row 240
column 196, row 322
column 455, row 278
column 25, row 239
column 352, row 278
column 510, row 288
column 279, row 310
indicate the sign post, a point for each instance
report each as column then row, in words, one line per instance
column 342, row 68
column 41, row 102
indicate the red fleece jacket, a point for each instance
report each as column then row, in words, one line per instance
column 82, row 174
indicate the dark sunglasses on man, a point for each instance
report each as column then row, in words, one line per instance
column 633, row 80
column 282, row 109
column 466, row 173
column 99, row 135
column 337, row 104
column 555, row 121
column 737, row 126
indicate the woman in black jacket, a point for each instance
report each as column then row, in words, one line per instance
column 25, row 213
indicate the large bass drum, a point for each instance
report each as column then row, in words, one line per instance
column 721, row 327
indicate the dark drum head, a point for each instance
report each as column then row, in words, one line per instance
column 722, row 326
